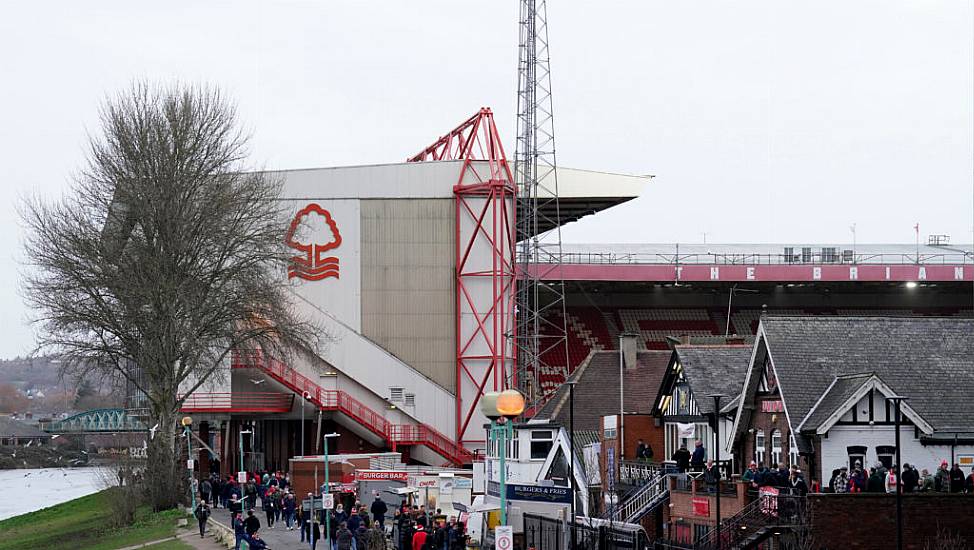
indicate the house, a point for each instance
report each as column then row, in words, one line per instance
column 684, row 402
column 817, row 392
column 599, row 398
column 19, row 434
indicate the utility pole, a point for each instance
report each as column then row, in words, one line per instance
column 540, row 307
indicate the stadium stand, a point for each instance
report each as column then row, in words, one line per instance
column 592, row 328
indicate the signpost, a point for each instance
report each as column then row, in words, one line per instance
column 504, row 537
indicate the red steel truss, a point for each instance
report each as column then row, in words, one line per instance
column 485, row 197
column 239, row 402
column 342, row 402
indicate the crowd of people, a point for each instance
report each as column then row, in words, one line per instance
column 357, row 528
column 417, row 529
column 880, row 479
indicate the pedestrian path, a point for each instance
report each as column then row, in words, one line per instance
column 279, row 538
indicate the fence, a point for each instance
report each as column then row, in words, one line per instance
column 544, row 533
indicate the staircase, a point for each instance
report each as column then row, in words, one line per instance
column 653, row 492
column 755, row 523
column 340, row 401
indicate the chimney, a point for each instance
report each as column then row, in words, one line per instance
column 628, row 344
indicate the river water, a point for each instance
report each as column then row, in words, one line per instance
column 31, row 490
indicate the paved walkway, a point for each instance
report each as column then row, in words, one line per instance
column 279, row 538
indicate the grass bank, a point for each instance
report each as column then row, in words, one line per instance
column 84, row 524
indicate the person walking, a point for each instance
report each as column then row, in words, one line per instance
column 267, row 502
column 251, row 524
column 377, row 537
column 206, row 489
column 202, row 513
column 344, row 540
column 379, row 509
column 290, row 503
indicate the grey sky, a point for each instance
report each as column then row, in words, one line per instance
column 764, row 121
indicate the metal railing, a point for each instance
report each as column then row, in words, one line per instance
column 238, row 402
column 753, row 521
column 653, row 492
column 634, row 472
column 755, row 259
column 338, row 400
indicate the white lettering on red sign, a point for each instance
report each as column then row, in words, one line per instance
column 379, row 475
column 750, row 274
column 853, row 273
column 714, row 273
column 816, row 273
column 772, row 406
column 887, row 273
column 922, row 275
column 958, row 273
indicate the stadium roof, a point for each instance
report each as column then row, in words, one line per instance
column 581, row 192
column 756, row 252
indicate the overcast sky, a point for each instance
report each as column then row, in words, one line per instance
column 764, row 121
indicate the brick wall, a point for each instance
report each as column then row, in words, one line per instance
column 868, row 521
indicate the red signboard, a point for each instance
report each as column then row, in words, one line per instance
column 701, row 506
column 775, row 406
column 380, row 475
column 758, row 273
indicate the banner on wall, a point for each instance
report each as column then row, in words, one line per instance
column 686, row 431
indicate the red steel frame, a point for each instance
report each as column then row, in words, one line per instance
column 487, row 199
column 240, row 402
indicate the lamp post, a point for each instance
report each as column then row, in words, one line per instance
column 716, row 397
column 502, row 408
column 327, row 488
column 187, row 423
column 897, row 400
column 571, row 449
column 304, row 401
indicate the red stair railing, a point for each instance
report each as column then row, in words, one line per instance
column 337, row 400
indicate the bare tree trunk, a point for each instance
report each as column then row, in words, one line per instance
column 162, row 468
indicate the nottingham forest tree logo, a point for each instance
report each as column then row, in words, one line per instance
column 313, row 232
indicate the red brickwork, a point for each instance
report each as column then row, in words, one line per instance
column 868, row 521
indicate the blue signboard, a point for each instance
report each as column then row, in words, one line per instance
column 533, row 493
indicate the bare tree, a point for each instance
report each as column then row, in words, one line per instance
column 166, row 255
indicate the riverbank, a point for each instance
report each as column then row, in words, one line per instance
column 41, row 456
column 84, row 524
column 46, row 487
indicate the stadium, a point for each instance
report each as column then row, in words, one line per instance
column 410, row 268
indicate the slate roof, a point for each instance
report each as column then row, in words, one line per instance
column 14, row 428
column 597, row 389
column 928, row 359
column 714, row 370
column 841, row 390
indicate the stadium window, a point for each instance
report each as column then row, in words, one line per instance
column 775, row 447
column 541, row 443
column 759, row 446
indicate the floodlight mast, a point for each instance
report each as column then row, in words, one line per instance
column 541, row 315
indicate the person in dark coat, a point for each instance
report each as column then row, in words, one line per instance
column 251, row 524
column 379, row 510
column 698, row 456
column 711, row 476
column 911, row 479
column 876, row 482
column 239, row 531
column 202, row 513
column 644, row 451
column 343, row 537
column 682, row 459
column 956, row 479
